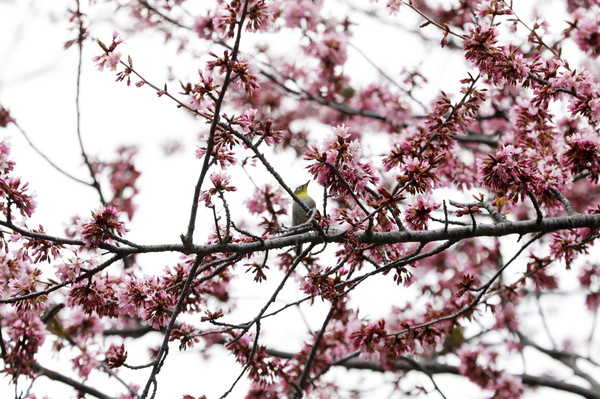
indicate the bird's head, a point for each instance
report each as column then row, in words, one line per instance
column 302, row 189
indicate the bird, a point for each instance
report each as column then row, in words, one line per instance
column 299, row 215
column 54, row 324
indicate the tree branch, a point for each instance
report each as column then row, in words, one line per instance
column 548, row 224
column 434, row 367
column 78, row 386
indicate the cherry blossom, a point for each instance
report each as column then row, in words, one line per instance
column 105, row 225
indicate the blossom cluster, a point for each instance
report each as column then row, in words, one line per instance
column 417, row 214
column 501, row 64
column 103, row 227
column 484, row 373
column 123, row 178
column 221, row 184
column 269, row 202
column 13, row 192
column 239, row 68
column 589, row 278
column 110, row 58
column 338, row 165
column 510, row 172
column 5, row 118
column 586, row 29
column 583, row 155
column 579, row 87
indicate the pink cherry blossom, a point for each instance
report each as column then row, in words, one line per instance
column 417, row 214
column 104, row 226
column 337, row 164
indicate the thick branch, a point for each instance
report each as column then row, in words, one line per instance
column 422, row 236
column 78, row 386
column 548, row 224
column 433, row 367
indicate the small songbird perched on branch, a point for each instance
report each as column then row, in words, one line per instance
column 299, row 215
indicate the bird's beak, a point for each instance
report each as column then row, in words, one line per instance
column 306, row 184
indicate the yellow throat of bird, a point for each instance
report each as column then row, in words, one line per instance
column 302, row 191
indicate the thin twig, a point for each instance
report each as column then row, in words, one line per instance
column 423, row 368
column 565, row 202
column 273, row 297
column 46, row 158
column 247, row 364
column 187, row 239
column 164, row 348
column 536, row 206
column 86, row 159
column 311, row 357
column 478, row 298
